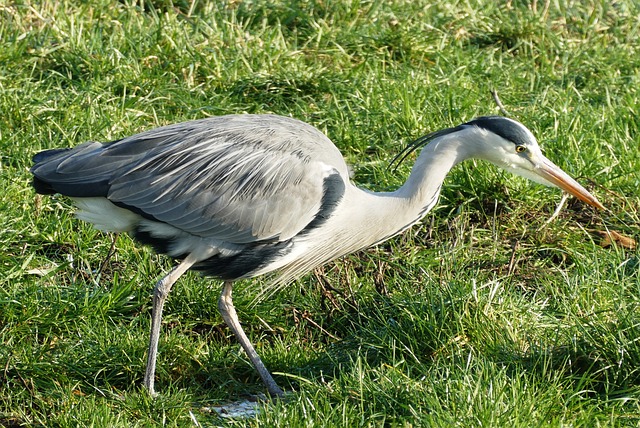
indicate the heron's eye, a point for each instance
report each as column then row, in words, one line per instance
column 520, row 149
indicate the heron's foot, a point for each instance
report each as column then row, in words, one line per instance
column 149, row 384
column 247, row 408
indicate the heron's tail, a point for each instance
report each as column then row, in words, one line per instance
column 41, row 186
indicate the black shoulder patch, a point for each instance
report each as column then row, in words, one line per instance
column 332, row 192
column 506, row 128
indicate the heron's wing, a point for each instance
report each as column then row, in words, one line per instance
column 238, row 179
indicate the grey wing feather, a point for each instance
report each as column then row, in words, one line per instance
column 238, row 178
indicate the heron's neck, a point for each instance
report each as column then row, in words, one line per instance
column 421, row 190
column 384, row 214
column 373, row 217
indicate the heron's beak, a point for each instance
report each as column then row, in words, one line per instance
column 551, row 173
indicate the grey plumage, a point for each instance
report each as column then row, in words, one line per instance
column 244, row 195
column 235, row 180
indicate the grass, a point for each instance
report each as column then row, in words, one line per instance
column 482, row 315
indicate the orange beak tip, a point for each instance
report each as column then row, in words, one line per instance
column 596, row 203
column 593, row 202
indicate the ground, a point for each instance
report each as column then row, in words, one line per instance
column 484, row 314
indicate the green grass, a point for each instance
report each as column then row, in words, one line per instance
column 479, row 316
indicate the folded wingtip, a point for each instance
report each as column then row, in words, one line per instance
column 46, row 154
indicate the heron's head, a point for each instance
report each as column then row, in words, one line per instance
column 511, row 146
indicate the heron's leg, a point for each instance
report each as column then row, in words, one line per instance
column 160, row 293
column 228, row 312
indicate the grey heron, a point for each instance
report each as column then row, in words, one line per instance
column 243, row 195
